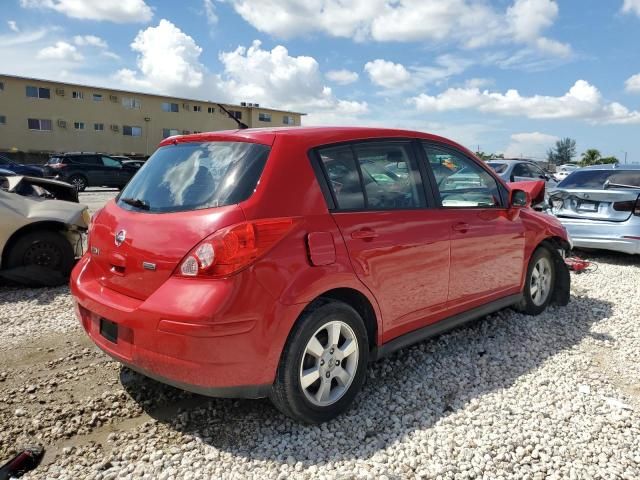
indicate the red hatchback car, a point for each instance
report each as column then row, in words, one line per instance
column 278, row 263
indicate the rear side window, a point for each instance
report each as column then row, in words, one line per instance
column 192, row 176
column 373, row 176
column 88, row 160
column 498, row 167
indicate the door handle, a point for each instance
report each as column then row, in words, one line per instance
column 460, row 227
column 364, row 234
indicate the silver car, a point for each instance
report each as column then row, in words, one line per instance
column 520, row 171
column 600, row 207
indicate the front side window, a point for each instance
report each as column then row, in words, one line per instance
column 191, row 176
column 111, row 162
column 460, row 181
column 169, row 107
column 130, row 131
column 264, row 117
column 522, row 170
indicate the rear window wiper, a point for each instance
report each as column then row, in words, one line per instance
column 136, row 202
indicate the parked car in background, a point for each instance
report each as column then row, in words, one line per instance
column 19, row 169
column 600, row 207
column 41, row 230
column 563, row 171
column 85, row 169
column 520, row 171
column 277, row 263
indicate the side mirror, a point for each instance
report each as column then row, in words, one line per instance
column 519, row 199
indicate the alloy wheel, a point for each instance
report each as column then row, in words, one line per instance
column 329, row 363
column 540, row 281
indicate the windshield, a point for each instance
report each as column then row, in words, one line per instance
column 596, row 178
column 193, row 176
column 498, row 167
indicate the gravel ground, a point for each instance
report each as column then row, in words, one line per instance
column 553, row 396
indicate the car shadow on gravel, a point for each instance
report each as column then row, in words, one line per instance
column 407, row 392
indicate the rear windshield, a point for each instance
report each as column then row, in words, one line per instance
column 498, row 167
column 596, row 178
column 192, row 176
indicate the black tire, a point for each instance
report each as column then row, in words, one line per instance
column 44, row 248
column 287, row 393
column 528, row 304
column 79, row 181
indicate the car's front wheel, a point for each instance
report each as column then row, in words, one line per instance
column 540, row 282
column 323, row 365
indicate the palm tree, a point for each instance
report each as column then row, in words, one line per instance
column 590, row 157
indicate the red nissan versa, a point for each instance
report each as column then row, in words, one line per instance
column 278, row 263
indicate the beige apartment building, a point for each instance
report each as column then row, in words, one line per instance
column 43, row 116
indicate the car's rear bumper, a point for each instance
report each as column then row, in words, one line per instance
column 616, row 236
column 228, row 348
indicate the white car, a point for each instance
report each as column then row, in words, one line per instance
column 563, row 171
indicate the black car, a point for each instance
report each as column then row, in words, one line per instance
column 18, row 168
column 89, row 170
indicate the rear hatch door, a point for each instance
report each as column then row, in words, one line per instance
column 183, row 193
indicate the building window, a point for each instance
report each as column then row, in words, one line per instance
column 288, row 120
column 236, row 114
column 1, row 86
column 77, row 95
column 264, row 117
column 3, row 119
column 169, row 132
column 97, row 97
column 131, row 131
column 78, row 125
column 98, row 127
column 38, row 92
column 169, row 107
column 39, row 124
column 211, row 109
column 130, row 103
column 197, row 108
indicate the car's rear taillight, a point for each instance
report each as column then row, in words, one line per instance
column 57, row 166
column 233, row 248
column 628, row 206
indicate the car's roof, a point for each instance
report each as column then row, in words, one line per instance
column 611, row 166
column 313, row 135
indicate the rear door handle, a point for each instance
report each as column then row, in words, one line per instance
column 460, row 227
column 364, row 234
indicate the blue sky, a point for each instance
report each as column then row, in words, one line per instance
column 509, row 76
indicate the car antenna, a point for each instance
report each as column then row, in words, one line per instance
column 241, row 125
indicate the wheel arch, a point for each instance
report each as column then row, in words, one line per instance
column 48, row 225
column 561, row 292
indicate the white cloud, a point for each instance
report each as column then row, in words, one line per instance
column 273, row 77
column 529, row 145
column 60, row 51
column 582, row 101
column 468, row 23
column 342, row 77
column 119, row 11
column 89, row 40
column 397, row 77
column 210, row 12
column 633, row 84
column 631, row 6
column 168, row 60
column 478, row 82
column 13, row 26
column 388, row 74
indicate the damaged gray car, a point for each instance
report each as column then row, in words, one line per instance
column 42, row 230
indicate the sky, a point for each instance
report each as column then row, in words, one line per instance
column 504, row 76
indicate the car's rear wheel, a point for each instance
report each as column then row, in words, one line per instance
column 78, row 181
column 540, row 282
column 45, row 248
column 323, row 365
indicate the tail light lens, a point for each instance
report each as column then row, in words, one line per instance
column 233, row 248
column 628, row 206
column 56, row 166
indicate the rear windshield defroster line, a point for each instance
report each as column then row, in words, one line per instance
column 193, row 176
